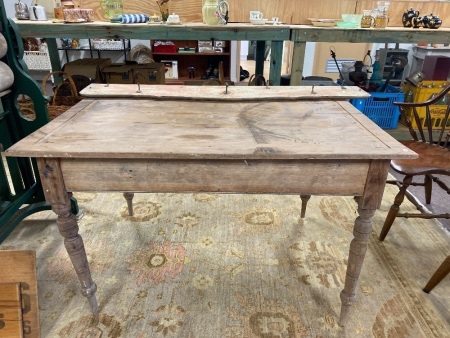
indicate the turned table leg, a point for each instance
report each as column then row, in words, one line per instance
column 367, row 205
column 59, row 199
column 358, row 248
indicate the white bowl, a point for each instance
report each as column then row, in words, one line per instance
column 355, row 18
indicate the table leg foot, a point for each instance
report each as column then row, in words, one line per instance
column 129, row 198
column 93, row 303
column 346, row 302
column 358, row 248
column 305, row 199
column 77, row 254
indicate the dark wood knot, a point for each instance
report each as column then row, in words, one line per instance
column 47, row 171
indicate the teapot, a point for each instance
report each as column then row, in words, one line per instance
column 22, row 12
column 431, row 21
column 417, row 21
column 173, row 18
column 408, row 16
column 37, row 13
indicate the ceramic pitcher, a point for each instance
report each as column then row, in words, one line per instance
column 112, row 8
column 214, row 11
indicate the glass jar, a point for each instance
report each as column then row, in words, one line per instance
column 367, row 19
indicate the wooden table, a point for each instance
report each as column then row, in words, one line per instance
column 275, row 146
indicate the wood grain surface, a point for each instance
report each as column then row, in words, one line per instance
column 183, row 129
column 230, row 176
column 289, row 11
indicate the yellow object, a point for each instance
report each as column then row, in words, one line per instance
column 423, row 93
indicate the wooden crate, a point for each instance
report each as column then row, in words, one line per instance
column 10, row 310
column 423, row 93
column 20, row 267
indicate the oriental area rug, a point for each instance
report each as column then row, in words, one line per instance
column 236, row 266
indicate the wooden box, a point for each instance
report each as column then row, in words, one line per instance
column 92, row 68
column 11, row 324
column 19, row 267
column 149, row 73
column 118, row 73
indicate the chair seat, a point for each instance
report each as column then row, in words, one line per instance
column 431, row 157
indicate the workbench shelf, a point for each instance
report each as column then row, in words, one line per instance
column 124, row 48
column 193, row 66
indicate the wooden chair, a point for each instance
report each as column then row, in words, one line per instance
column 442, row 271
column 434, row 159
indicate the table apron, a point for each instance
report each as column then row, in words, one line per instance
column 333, row 177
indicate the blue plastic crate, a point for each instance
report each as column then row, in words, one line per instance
column 380, row 107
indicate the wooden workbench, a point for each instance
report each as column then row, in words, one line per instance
column 299, row 34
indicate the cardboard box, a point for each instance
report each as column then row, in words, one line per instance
column 92, row 68
column 149, row 73
column 170, row 69
column 118, row 73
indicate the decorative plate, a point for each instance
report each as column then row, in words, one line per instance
column 259, row 22
column 323, row 24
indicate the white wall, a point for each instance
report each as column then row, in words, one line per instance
column 9, row 7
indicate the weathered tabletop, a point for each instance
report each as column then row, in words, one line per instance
column 301, row 147
column 130, row 128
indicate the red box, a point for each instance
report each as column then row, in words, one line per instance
column 436, row 67
column 168, row 49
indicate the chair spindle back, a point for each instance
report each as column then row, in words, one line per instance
column 428, row 135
